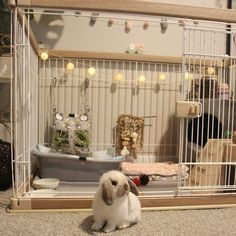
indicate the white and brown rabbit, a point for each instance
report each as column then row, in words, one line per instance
column 115, row 204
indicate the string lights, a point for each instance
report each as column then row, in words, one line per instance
column 43, row 51
column 162, row 76
column 188, row 76
column 91, row 71
column 210, row 70
column 119, row 77
column 141, row 79
column 70, row 66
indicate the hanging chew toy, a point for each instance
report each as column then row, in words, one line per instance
column 129, row 135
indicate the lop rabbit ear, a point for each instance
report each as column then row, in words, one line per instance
column 133, row 187
column 107, row 193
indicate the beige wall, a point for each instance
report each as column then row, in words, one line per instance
column 203, row 3
column 74, row 33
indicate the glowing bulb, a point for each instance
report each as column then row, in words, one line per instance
column 44, row 55
column 162, row 76
column 141, row 79
column 43, row 52
column 210, row 70
column 188, row 76
column 91, row 71
column 70, row 66
column 119, row 77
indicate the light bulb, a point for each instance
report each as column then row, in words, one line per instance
column 43, row 52
column 70, row 66
column 210, row 70
column 91, row 71
column 119, row 77
column 188, row 76
column 162, row 76
column 44, row 55
column 141, row 79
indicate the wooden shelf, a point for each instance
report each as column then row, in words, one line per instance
column 114, row 56
column 129, row 57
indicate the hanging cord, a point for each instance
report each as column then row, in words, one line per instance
column 52, row 105
column 52, row 92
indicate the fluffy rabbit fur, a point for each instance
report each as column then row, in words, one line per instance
column 114, row 205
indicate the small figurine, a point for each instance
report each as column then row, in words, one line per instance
column 124, row 152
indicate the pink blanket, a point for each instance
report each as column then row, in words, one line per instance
column 162, row 169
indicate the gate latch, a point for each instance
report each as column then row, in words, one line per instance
column 188, row 109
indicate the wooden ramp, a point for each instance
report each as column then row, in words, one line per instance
column 209, row 169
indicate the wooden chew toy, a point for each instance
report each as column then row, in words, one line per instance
column 130, row 133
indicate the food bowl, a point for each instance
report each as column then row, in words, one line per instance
column 46, row 183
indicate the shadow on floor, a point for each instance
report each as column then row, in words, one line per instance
column 86, row 225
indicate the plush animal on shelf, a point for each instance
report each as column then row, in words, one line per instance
column 115, row 204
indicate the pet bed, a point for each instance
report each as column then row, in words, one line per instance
column 155, row 171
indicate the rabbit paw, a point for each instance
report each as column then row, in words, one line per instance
column 109, row 228
column 97, row 226
column 124, row 225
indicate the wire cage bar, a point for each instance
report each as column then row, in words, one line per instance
column 110, row 97
column 208, row 146
column 200, row 140
column 24, row 100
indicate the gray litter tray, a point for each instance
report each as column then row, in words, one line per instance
column 73, row 168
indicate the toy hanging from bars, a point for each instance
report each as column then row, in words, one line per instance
column 129, row 135
column 71, row 135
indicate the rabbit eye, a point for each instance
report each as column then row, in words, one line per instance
column 114, row 183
